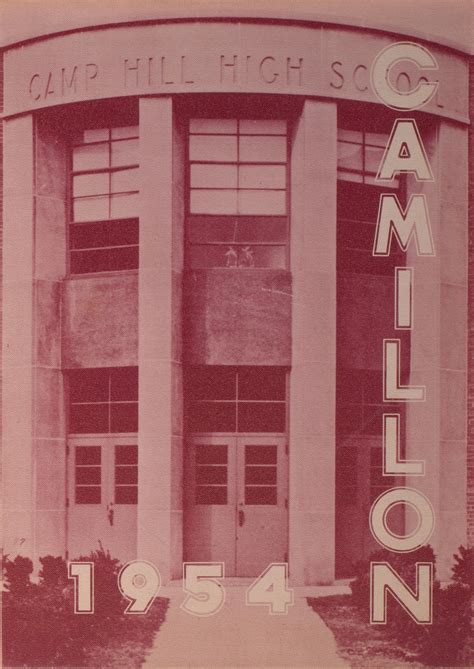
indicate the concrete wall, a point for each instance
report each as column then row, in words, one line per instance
column 234, row 317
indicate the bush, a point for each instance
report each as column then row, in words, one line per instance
column 463, row 570
column 441, row 643
column 16, row 574
column 39, row 624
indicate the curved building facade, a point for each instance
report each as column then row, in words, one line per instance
column 193, row 316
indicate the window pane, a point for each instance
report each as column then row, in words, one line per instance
column 213, row 202
column 232, row 229
column 211, row 474
column 210, row 383
column 217, row 126
column 211, row 454
column 123, row 232
column 87, row 455
column 125, row 152
column 376, row 139
column 126, row 454
column 91, row 208
column 262, row 176
column 210, row 148
column 88, row 236
column 350, row 176
column 89, row 385
column 88, row 495
column 256, row 417
column 261, row 475
column 124, row 206
column 262, row 202
column 261, row 230
column 124, row 384
column 124, row 258
column 90, row 184
column 90, row 157
column 96, row 135
column 211, row 495
column 212, row 417
column 373, row 158
column 89, row 418
column 262, row 383
column 126, row 495
column 261, row 455
column 85, row 262
column 124, row 181
column 213, row 176
column 260, row 495
column 262, row 149
column 350, row 135
column 88, row 475
column 126, row 474
column 124, row 417
column 262, row 127
column 125, row 131
column 349, row 156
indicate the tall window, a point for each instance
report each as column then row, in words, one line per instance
column 103, row 400
column 104, row 222
column 238, row 205
column 236, row 399
column 358, row 196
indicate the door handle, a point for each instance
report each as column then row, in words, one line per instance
column 241, row 517
column 110, row 513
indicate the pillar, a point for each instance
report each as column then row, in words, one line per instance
column 160, row 509
column 313, row 373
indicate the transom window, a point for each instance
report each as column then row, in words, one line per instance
column 236, row 399
column 237, row 193
column 103, row 400
column 104, row 222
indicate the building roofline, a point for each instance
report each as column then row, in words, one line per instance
column 316, row 19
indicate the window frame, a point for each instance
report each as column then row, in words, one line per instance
column 71, row 173
column 81, row 435
column 188, row 216
column 188, row 401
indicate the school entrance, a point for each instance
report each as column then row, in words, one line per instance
column 235, row 477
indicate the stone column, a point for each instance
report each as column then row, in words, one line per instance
column 33, row 409
column 313, row 374
column 159, row 339
column 18, row 324
column 436, row 428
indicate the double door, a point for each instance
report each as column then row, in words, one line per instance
column 102, row 496
column 236, row 501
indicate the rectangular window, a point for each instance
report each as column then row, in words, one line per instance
column 260, row 474
column 126, row 474
column 237, row 193
column 105, row 191
column 358, row 198
column 103, row 400
column 211, row 474
column 88, row 474
column 236, row 399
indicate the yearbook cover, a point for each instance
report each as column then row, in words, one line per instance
column 237, row 333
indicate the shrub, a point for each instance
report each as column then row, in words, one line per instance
column 441, row 643
column 16, row 574
column 463, row 569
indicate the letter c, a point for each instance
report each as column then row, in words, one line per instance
column 380, row 76
column 35, row 97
